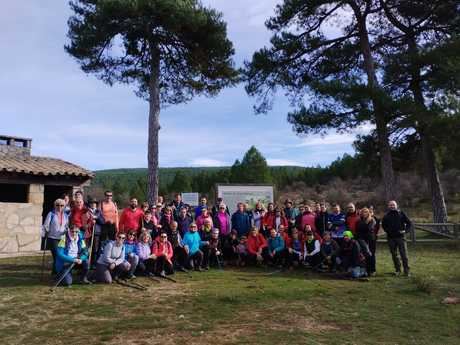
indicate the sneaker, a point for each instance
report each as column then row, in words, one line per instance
column 163, row 274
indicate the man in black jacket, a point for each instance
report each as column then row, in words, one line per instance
column 395, row 223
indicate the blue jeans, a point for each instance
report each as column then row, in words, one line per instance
column 67, row 281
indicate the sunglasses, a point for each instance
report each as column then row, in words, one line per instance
column 130, row 235
column 121, row 237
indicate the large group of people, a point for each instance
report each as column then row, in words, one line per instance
column 159, row 239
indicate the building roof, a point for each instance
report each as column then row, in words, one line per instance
column 43, row 166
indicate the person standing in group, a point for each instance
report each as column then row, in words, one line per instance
column 258, row 215
column 167, row 219
column 395, row 223
column 109, row 211
column 352, row 217
column 93, row 241
column 291, row 214
column 203, row 217
column 216, row 206
column 365, row 234
column 148, row 225
column 321, row 220
column 131, row 217
column 177, row 204
column 54, row 227
column 183, row 221
column 337, row 226
column 279, row 220
column 241, row 221
column 203, row 204
column 79, row 215
column 222, row 221
column 268, row 220
column 308, row 218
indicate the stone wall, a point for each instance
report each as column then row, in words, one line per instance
column 20, row 223
column 16, row 151
column 20, row 227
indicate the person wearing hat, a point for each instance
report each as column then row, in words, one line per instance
column 311, row 252
column 216, row 206
column 351, row 258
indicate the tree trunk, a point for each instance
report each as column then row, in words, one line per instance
column 438, row 203
column 386, row 161
column 432, row 175
column 154, row 126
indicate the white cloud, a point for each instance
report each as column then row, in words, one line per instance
column 207, row 162
column 283, row 162
column 335, row 138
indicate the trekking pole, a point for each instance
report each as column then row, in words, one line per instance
column 45, row 243
column 62, row 276
column 92, row 246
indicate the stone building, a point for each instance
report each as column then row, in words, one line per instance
column 28, row 187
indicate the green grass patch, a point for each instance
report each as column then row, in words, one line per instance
column 247, row 306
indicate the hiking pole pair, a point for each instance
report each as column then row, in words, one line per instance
column 67, row 271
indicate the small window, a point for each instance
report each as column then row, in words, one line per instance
column 14, row 192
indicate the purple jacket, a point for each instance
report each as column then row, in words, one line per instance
column 143, row 250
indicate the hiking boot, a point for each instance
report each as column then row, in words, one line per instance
column 199, row 269
column 85, row 281
column 182, row 269
column 407, row 274
column 397, row 273
column 132, row 276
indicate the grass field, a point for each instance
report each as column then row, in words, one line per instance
column 234, row 306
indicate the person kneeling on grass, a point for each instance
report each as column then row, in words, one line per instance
column 257, row 247
column 163, row 252
column 295, row 249
column 230, row 244
column 351, row 258
column 275, row 248
column 192, row 242
column 242, row 252
column 178, row 248
column 312, row 247
column 112, row 263
column 215, row 249
column 146, row 258
column 131, row 253
column 329, row 251
column 71, row 249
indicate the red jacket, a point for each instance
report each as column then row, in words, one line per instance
column 269, row 219
column 130, row 220
column 79, row 217
column 287, row 240
column 160, row 248
column 351, row 219
column 254, row 243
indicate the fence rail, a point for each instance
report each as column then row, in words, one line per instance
column 448, row 230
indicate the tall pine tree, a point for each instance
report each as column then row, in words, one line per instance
column 171, row 50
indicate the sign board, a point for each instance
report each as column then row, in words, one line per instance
column 233, row 194
column 190, row 198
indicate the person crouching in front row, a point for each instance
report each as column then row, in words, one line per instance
column 163, row 253
column 71, row 249
column 112, row 262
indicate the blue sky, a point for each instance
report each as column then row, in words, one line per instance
column 73, row 116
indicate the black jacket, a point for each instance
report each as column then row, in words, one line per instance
column 321, row 222
column 365, row 231
column 396, row 224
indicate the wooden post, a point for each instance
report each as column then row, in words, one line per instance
column 413, row 236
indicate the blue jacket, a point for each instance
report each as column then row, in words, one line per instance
column 338, row 224
column 63, row 252
column 130, row 248
column 241, row 223
column 275, row 244
column 193, row 241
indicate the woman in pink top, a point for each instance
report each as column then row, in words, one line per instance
column 308, row 218
column 204, row 215
column 222, row 221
